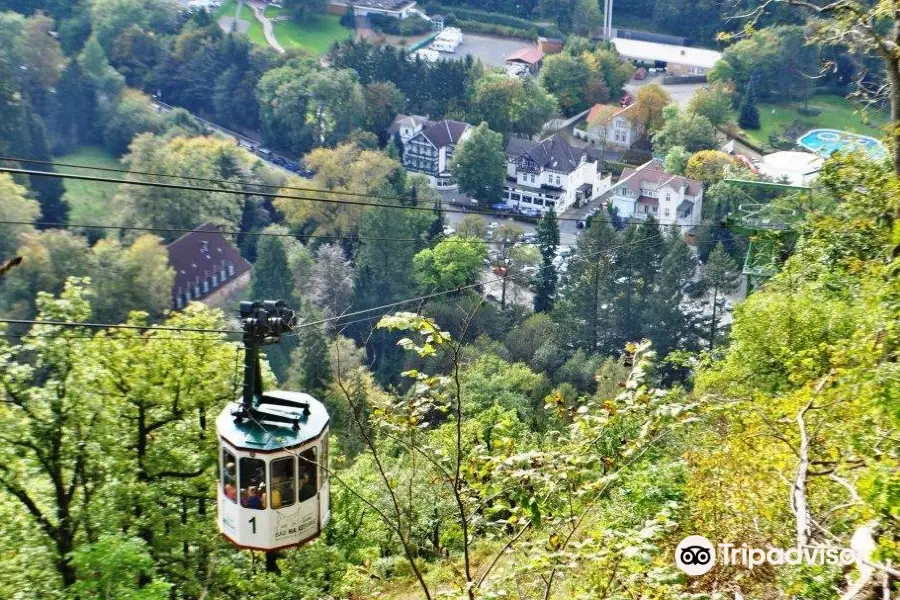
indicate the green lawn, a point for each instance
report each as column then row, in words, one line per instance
column 255, row 33
column 90, row 202
column 225, row 10
column 316, row 34
column 837, row 113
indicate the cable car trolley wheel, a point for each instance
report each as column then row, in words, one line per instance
column 273, row 488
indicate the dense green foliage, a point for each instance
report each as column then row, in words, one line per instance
column 480, row 449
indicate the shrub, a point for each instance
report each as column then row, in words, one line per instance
column 413, row 25
column 812, row 111
column 498, row 30
column 463, row 14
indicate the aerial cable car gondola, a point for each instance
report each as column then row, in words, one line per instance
column 273, row 451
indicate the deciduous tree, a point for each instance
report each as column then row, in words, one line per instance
column 651, row 100
column 479, row 164
column 690, row 131
column 452, row 263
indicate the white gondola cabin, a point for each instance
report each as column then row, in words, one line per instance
column 273, row 488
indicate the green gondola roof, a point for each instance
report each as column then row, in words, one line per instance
column 269, row 437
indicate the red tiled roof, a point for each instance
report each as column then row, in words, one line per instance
column 195, row 256
column 596, row 109
column 531, row 56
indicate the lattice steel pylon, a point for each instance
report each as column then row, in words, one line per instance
column 768, row 226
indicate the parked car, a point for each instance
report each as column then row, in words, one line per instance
column 580, row 224
column 729, row 306
column 641, row 73
column 449, row 231
column 265, row 153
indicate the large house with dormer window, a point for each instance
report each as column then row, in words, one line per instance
column 208, row 268
column 430, row 150
column 648, row 190
column 551, row 174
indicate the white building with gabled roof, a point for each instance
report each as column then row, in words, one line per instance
column 648, row 190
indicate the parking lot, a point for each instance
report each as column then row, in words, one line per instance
column 681, row 93
column 491, row 50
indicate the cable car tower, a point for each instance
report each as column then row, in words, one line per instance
column 273, row 489
column 768, row 226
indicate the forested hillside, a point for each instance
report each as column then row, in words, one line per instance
column 512, row 415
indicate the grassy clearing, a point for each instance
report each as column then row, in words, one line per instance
column 255, row 33
column 316, row 34
column 225, row 10
column 837, row 113
column 90, row 202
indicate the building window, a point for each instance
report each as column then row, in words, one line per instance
column 179, row 301
column 668, row 197
column 252, row 481
column 308, row 474
column 229, row 476
column 230, row 269
column 667, row 212
column 196, row 291
column 283, row 484
column 532, row 178
column 215, row 279
column 206, row 286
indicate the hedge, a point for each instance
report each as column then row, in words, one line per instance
column 498, row 30
column 482, row 16
column 615, row 167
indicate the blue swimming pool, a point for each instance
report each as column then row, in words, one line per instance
column 828, row 141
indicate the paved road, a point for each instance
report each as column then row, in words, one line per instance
column 246, row 142
column 260, row 10
column 458, row 201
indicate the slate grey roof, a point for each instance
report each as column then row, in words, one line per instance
column 553, row 153
column 446, row 132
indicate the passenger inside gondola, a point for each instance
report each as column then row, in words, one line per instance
column 252, row 478
column 283, row 489
column 229, row 476
column 307, row 472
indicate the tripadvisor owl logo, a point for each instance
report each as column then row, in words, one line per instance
column 695, row 555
